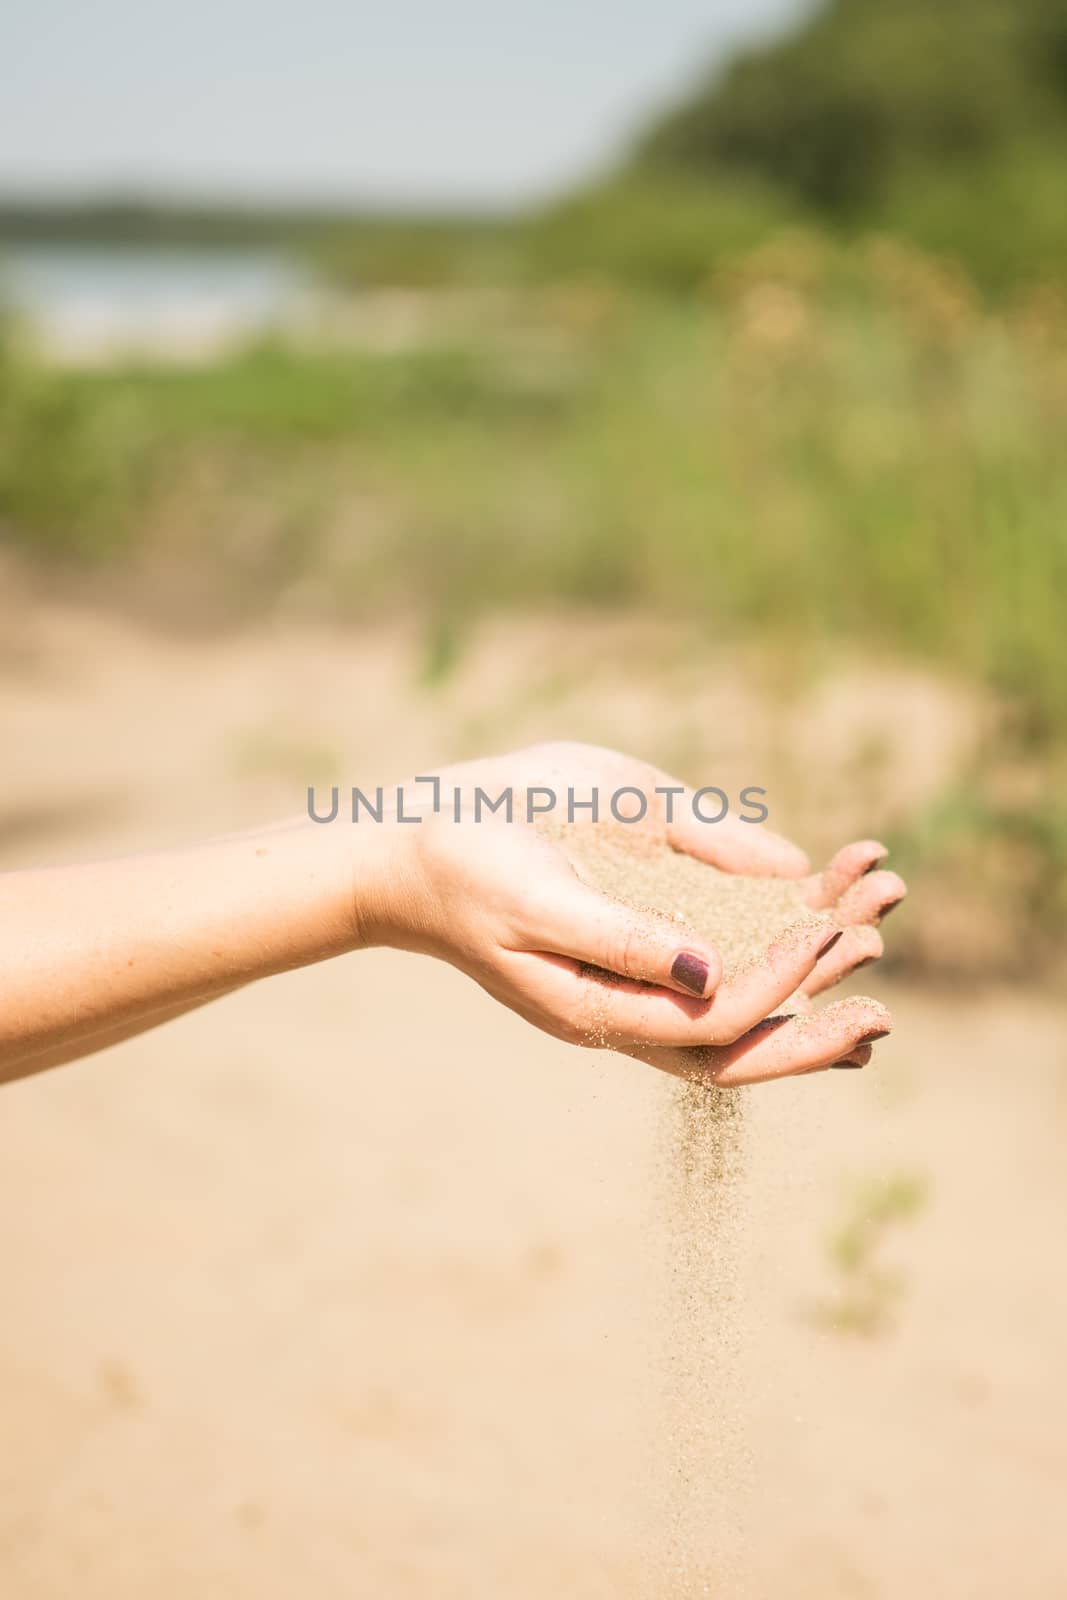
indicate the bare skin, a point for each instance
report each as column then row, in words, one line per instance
column 97, row 953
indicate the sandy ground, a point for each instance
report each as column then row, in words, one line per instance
column 354, row 1285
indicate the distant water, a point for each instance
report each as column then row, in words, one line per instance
column 95, row 297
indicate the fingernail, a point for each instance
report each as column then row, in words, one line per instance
column 690, row 972
column 868, row 961
column 873, row 1036
column 876, row 863
column 769, row 1024
column 828, row 946
column 843, row 1066
column 892, row 906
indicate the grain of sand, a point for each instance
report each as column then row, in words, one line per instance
column 702, row 1474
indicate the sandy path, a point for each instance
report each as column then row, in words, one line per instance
column 353, row 1284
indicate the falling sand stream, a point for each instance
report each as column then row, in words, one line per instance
column 702, row 1471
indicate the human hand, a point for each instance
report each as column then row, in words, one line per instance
column 503, row 903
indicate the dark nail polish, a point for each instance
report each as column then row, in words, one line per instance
column 873, row 1036
column 892, row 906
column 828, row 946
column 879, row 861
column 690, row 972
column 842, row 1066
column 769, row 1024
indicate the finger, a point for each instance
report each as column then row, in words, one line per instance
column 752, row 993
column 872, row 898
column 734, row 845
column 588, row 1006
column 779, row 1048
column 564, row 916
column 855, row 1058
column 856, row 947
column 619, row 1012
column 824, row 889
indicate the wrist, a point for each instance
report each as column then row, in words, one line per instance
column 378, row 875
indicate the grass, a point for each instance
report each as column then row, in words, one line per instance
column 866, row 1291
column 867, row 456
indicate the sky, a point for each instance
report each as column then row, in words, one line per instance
column 404, row 102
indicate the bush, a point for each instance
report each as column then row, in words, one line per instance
column 412, row 254
column 68, row 458
column 655, row 235
column 1015, row 233
column 899, row 114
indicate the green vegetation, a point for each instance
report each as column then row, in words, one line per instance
column 842, row 443
column 866, row 1292
column 170, row 225
column 883, row 115
column 655, row 233
column 70, row 472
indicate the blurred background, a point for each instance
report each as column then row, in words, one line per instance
column 380, row 387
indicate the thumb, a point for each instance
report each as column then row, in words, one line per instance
column 569, row 918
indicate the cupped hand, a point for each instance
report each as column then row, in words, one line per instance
column 501, row 901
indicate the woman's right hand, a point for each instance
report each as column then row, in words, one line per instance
column 502, row 902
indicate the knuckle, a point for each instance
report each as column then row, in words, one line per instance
column 568, row 1029
column 624, row 949
column 726, row 1025
column 585, row 1024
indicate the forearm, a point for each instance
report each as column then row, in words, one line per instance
column 91, row 954
column 80, row 1044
